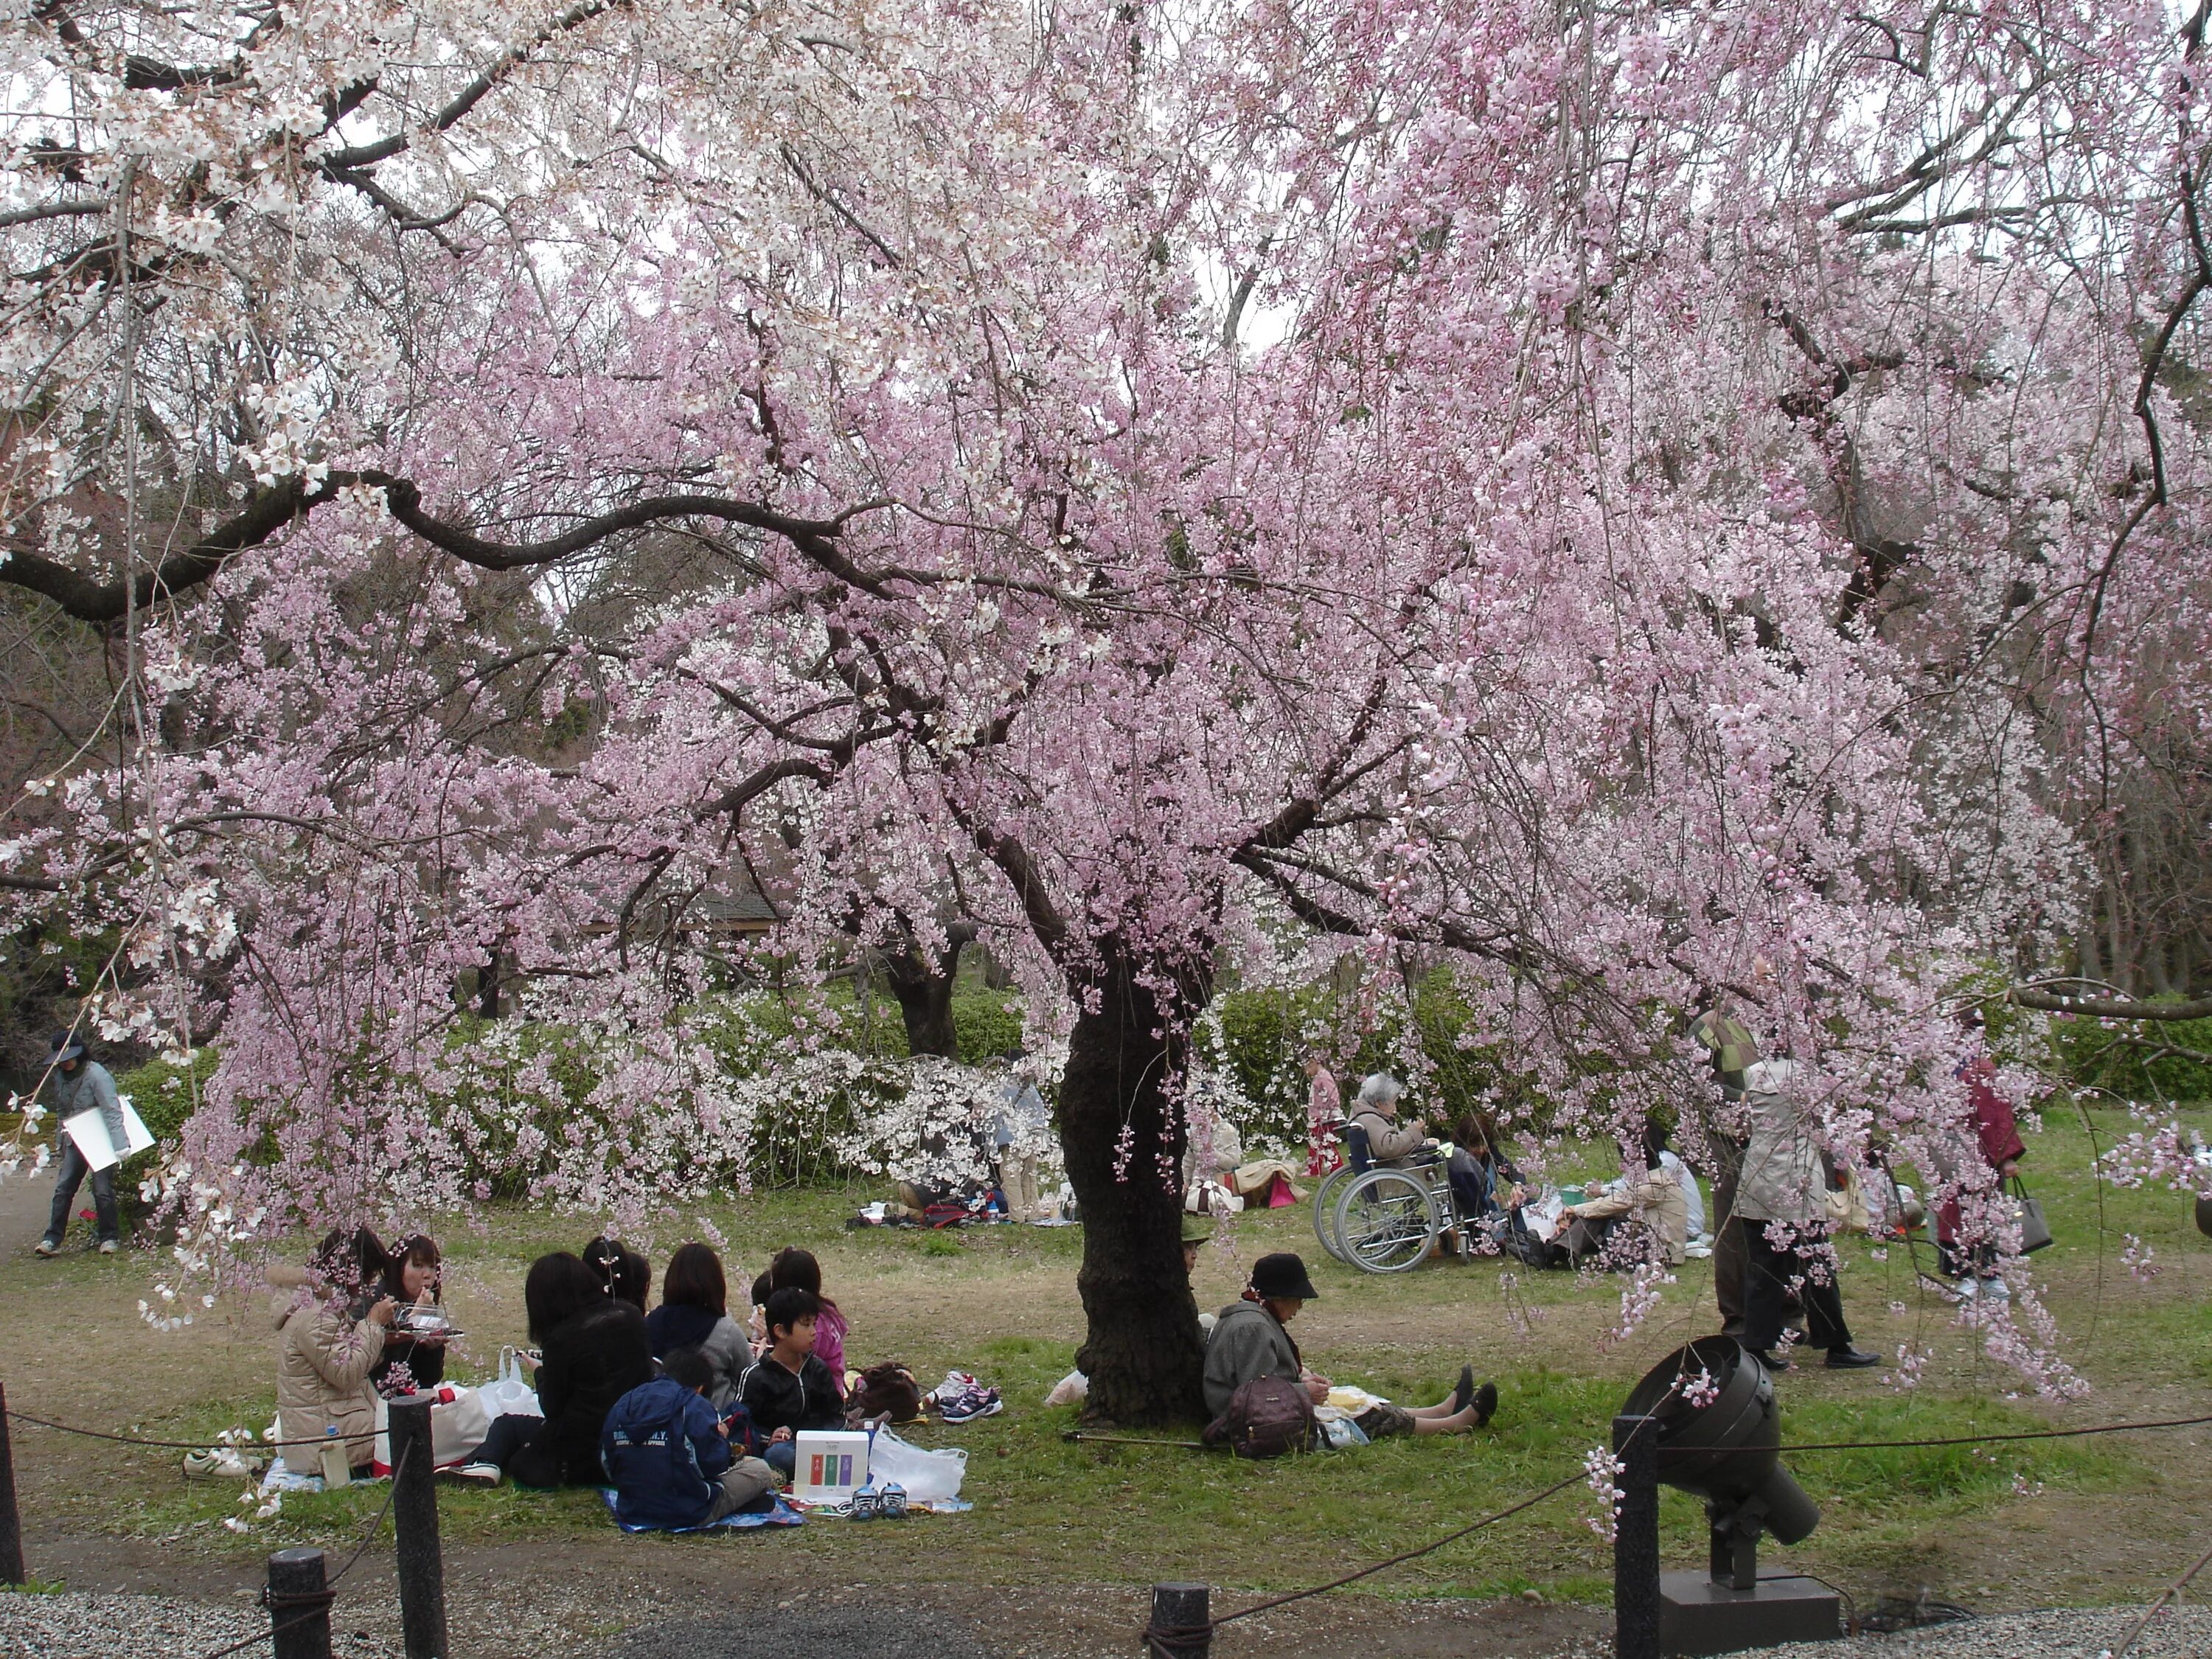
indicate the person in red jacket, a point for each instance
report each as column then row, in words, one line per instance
column 1998, row 1131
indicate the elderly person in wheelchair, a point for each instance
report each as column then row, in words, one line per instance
column 1390, row 1145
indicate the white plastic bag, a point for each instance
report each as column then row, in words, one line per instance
column 510, row 1395
column 458, row 1427
column 926, row 1475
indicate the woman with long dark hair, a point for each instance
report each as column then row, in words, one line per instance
column 333, row 1322
column 593, row 1351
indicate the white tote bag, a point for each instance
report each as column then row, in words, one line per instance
column 458, row 1427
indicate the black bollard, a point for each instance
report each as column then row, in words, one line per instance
column 1636, row 1540
column 1182, row 1625
column 11, row 1523
column 299, row 1606
column 415, row 1527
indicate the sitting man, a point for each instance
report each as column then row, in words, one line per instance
column 1647, row 1196
column 1249, row 1341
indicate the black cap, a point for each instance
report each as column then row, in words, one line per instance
column 66, row 1048
column 1282, row 1278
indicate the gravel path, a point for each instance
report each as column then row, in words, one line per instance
column 2063, row 1633
column 100, row 1626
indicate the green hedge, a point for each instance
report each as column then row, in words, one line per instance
column 2123, row 1057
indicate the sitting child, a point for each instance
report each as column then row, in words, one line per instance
column 797, row 1269
column 667, row 1454
column 788, row 1388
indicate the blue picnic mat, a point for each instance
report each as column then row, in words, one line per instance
column 781, row 1516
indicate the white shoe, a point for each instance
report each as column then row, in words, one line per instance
column 47, row 1249
column 108, row 1246
column 473, row 1474
column 1966, row 1290
column 1996, row 1290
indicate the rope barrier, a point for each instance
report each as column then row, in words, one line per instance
column 158, row 1445
column 317, row 1603
column 1984, row 1439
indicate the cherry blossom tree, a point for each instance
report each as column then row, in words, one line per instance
column 1634, row 501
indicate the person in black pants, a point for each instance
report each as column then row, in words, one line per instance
column 1780, row 1210
column 595, row 1350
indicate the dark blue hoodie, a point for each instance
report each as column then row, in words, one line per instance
column 663, row 1449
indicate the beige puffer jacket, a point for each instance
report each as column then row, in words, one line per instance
column 323, row 1363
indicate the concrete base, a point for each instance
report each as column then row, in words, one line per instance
column 1697, row 1616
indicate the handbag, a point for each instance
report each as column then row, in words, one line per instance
column 2034, row 1231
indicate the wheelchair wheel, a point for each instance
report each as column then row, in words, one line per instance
column 1385, row 1222
column 1331, row 1188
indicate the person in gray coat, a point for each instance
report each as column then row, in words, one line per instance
column 74, row 1085
column 1779, row 1197
column 1249, row 1342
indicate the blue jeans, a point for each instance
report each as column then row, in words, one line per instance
column 73, row 1172
column 782, row 1456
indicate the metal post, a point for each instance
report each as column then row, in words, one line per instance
column 1181, row 1627
column 299, row 1606
column 11, row 1523
column 415, row 1527
column 1636, row 1540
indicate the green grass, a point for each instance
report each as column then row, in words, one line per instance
column 1048, row 1512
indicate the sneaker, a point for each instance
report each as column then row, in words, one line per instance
column 471, row 1474
column 47, row 1247
column 1996, row 1290
column 108, row 1246
column 983, row 1402
column 864, row 1503
column 1849, row 1359
column 891, row 1501
column 1967, row 1290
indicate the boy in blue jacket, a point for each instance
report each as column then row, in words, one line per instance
column 667, row 1452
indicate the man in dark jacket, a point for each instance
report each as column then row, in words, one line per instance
column 1249, row 1341
column 787, row 1389
column 667, row 1452
column 75, row 1085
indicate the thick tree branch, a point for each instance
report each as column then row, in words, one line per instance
column 2112, row 1008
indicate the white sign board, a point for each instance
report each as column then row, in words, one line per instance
column 89, row 1131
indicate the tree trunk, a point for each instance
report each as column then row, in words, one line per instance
column 1122, row 1134
column 924, row 990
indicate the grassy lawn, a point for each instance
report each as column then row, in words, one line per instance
column 2022, row 1524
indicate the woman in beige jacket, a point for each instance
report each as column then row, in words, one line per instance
column 328, row 1347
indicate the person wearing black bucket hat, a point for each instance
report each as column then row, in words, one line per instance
column 1249, row 1341
column 75, row 1084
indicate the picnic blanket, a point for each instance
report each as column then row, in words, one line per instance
column 783, row 1515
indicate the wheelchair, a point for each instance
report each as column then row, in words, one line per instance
column 1386, row 1220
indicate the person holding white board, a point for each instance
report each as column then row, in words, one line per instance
column 79, row 1088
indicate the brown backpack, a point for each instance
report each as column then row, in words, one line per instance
column 887, row 1388
column 1267, row 1417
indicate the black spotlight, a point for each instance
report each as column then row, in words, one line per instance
column 1720, row 1431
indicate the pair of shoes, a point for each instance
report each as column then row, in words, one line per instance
column 1773, row 1362
column 1848, row 1358
column 108, row 1246
column 1463, row 1390
column 1486, row 1404
column 48, row 1248
column 471, row 1474
column 223, row 1463
column 970, row 1404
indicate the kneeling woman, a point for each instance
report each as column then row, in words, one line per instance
column 1249, row 1341
column 595, row 1350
